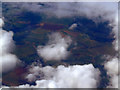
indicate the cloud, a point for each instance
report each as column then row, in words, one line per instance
column 74, row 25
column 7, row 59
column 112, row 70
column 56, row 48
column 35, row 73
column 1, row 23
column 6, row 42
column 106, row 10
column 97, row 11
column 76, row 76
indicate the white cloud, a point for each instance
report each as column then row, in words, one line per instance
column 74, row 25
column 56, row 48
column 112, row 70
column 76, row 76
column 34, row 73
column 7, row 59
column 6, row 42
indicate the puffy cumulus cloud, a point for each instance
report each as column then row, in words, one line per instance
column 8, row 61
column 56, row 48
column 112, row 70
column 34, row 73
column 76, row 76
column 6, row 42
